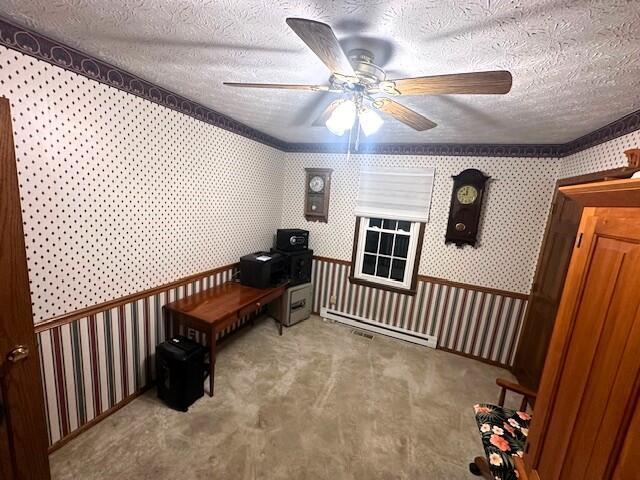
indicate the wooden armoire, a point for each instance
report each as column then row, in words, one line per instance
column 551, row 270
column 586, row 422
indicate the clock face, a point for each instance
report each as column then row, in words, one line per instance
column 467, row 194
column 316, row 184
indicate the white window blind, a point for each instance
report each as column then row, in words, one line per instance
column 395, row 193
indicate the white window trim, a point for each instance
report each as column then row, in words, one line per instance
column 407, row 282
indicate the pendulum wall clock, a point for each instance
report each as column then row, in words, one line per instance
column 466, row 206
column 317, row 190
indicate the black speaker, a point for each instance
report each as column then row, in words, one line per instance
column 180, row 372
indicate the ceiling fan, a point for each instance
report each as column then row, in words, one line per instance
column 363, row 82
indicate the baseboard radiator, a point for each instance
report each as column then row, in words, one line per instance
column 380, row 328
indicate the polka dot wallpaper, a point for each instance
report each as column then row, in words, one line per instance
column 120, row 194
column 515, row 211
column 605, row 156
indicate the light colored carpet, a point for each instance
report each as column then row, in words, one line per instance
column 317, row 403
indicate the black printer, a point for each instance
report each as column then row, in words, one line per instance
column 262, row 269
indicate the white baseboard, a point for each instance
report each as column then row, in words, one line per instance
column 381, row 328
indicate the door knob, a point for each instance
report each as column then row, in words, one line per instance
column 20, row 352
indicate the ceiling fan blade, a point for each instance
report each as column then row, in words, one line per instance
column 283, row 86
column 320, row 38
column 403, row 114
column 324, row 116
column 497, row 82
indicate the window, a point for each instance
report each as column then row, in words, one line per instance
column 391, row 212
column 386, row 253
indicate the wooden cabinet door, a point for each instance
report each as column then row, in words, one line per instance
column 542, row 308
column 23, row 436
column 628, row 465
column 589, row 389
column 551, row 272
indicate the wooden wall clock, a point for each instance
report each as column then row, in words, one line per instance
column 466, row 206
column 317, row 191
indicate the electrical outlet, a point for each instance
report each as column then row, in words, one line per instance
column 333, row 300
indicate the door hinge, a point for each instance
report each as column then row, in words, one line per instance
column 579, row 240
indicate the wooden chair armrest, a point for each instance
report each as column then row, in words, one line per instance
column 520, row 468
column 528, row 394
column 516, row 387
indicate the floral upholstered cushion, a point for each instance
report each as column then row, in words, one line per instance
column 504, row 433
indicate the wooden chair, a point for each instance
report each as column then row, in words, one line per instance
column 504, row 433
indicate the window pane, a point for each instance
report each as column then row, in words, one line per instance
column 389, row 224
column 371, row 241
column 386, row 243
column 397, row 269
column 383, row 267
column 404, row 226
column 375, row 222
column 369, row 264
column 402, row 246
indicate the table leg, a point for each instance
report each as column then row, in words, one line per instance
column 167, row 323
column 212, row 358
column 279, row 327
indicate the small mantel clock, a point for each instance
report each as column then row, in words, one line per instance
column 317, row 188
column 466, row 206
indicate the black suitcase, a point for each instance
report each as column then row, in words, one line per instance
column 180, row 372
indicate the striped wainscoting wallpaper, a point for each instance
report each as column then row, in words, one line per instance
column 468, row 320
column 94, row 363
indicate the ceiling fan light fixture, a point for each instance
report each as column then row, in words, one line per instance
column 342, row 118
column 370, row 122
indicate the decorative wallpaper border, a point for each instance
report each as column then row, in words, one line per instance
column 441, row 149
column 43, row 48
column 627, row 124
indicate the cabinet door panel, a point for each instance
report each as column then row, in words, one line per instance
column 585, row 407
column 555, row 255
column 626, row 466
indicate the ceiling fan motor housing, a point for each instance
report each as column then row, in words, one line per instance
column 367, row 72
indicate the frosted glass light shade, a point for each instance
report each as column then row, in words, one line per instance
column 370, row 122
column 342, row 118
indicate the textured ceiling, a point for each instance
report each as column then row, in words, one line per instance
column 575, row 63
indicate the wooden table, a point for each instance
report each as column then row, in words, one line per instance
column 211, row 311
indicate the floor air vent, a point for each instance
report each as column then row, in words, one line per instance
column 362, row 334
